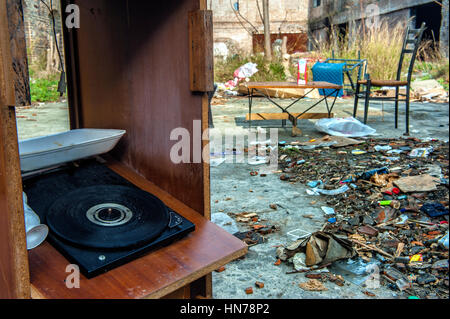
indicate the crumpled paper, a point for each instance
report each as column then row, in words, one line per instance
column 321, row 248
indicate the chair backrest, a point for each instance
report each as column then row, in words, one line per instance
column 411, row 44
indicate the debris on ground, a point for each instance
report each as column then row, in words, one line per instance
column 320, row 248
column 386, row 205
column 249, row 290
column 251, row 238
column 313, row 285
column 259, row 284
column 429, row 91
column 220, row 269
column 422, row 91
column 258, row 229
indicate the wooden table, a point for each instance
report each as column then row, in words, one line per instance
column 166, row 272
column 260, row 87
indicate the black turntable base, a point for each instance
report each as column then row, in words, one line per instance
column 98, row 220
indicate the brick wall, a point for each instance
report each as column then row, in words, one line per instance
column 286, row 16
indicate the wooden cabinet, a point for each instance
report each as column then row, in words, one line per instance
column 129, row 66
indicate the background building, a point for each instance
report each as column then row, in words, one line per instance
column 348, row 15
column 238, row 26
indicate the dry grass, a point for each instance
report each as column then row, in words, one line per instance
column 381, row 48
column 267, row 71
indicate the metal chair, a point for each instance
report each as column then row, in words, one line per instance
column 412, row 37
column 351, row 66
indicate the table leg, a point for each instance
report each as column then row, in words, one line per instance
column 250, row 101
column 295, row 130
column 334, row 101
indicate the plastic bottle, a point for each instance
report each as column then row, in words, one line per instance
column 444, row 241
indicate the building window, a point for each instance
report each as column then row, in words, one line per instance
column 236, row 5
column 316, row 3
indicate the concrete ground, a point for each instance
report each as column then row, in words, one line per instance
column 42, row 119
column 233, row 190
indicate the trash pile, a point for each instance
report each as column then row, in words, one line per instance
column 258, row 227
column 429, row 91
column 243, row 73
column 385, row 204
column 426, row 91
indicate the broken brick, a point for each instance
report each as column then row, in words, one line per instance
column 220, row 269
column 368, row 230
column 368, row 293
column 259, row 284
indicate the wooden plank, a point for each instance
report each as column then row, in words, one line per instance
column 14, row 279
column 284, row 93
column 201, row 60
column 285, row 116
column 154, row 275
column 182, row 293
column 292, row 85
column 19, row 52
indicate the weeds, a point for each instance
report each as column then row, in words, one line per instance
column 380, row 47
column 44, row 89
column 273, row 71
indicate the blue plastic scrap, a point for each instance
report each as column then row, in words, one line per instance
column 434, row 209
column 314, row 184
column 369, row 174
column 331, row 73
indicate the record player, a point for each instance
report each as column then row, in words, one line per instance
column 97, row 219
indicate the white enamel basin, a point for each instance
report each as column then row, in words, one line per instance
column 51, row 150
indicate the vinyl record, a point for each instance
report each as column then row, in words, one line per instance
column 107, row 217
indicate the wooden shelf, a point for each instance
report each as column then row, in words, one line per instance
column 155, row 275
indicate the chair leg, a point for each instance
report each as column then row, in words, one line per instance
column 396, row 106
column 366, row 102
column 355, row 107
column 407, row 111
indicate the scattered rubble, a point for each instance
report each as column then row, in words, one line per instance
column 259, row 284
column 249, row 290
column 313, row 285
column 385, row 205
column 429, row 91
column 220, row 269
column 421, row 91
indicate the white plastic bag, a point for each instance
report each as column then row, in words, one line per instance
column 349, row 127
column 245, row 71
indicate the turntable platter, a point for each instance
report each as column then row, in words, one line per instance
column 108, row 217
